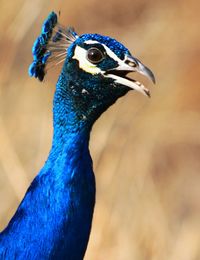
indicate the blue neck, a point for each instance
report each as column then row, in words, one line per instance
column 69, row 122
column 54, row 219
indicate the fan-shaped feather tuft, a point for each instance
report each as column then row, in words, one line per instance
column 50, row 48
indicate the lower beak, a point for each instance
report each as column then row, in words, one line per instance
column 130, row 64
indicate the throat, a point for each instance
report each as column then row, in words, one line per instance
column 71, row 124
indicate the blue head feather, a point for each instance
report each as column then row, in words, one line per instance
column 119, row 49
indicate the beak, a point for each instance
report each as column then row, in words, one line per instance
column 131, row 64
column 142, row 69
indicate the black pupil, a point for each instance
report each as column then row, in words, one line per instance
column 94, row 55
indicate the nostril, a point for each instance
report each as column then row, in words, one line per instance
column 131, row 63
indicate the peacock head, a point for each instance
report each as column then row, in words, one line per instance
column 96, row 65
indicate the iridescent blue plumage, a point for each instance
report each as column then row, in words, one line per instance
column 39, row 50
column 119, row 49
column 54, row 219
column 51, row 33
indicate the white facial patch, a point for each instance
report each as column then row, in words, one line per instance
column 80, row 55
column 112, row 55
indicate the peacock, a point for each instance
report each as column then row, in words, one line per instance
column 54, row 219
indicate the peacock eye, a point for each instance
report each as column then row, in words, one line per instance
column 94, row 55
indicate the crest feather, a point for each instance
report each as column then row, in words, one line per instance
column 50, row 48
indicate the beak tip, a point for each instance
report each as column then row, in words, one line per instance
column 146, row 71
column 147, row 92
column 151, row 76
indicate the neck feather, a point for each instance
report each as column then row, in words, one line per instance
column 69, row 121
column 54, row 219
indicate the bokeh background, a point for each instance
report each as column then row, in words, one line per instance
column 146, row 152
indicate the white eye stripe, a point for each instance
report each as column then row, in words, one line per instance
column 91, row 42
column 80, row 54
column 121, row 64
column 110, row 53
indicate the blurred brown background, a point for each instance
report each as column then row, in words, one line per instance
column 146, row 152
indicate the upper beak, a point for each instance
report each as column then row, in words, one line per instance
column 131, row 64
column 141, row 68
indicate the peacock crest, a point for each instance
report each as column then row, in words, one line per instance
column 50, row 48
